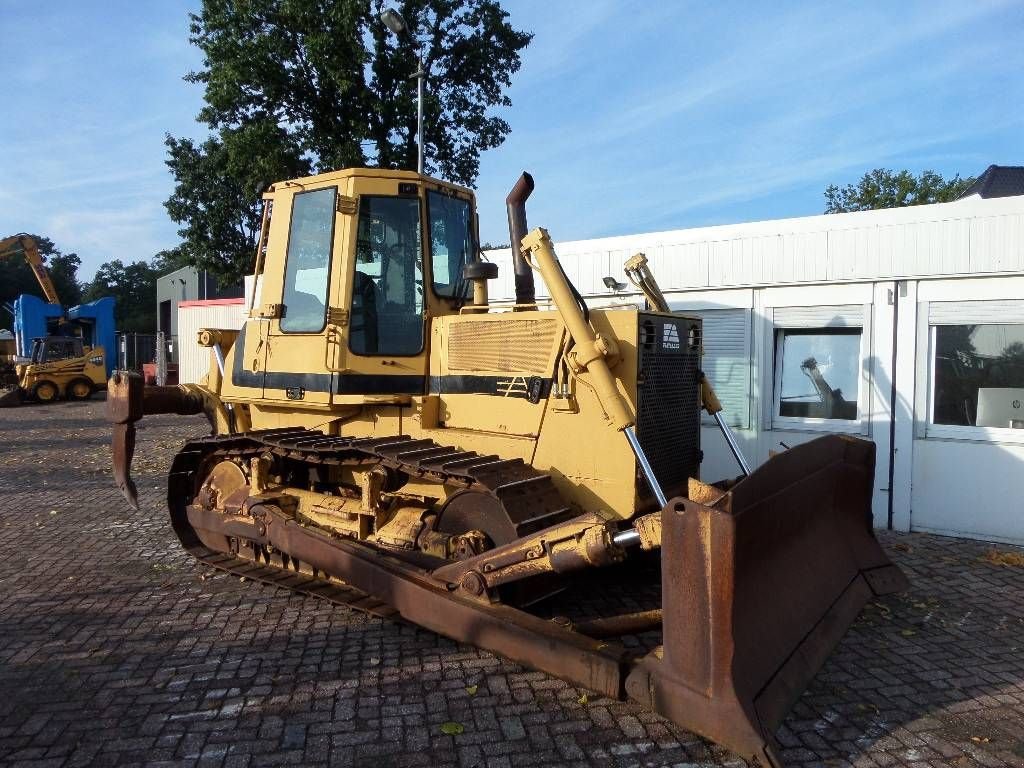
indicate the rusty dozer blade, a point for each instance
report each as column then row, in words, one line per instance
column 758, row 588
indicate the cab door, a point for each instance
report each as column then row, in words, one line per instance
column 295, row 334
column 383, row 355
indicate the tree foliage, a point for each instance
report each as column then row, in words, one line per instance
column 294, row 87
column 883, row 188
column 17, row 278
column 133, row 287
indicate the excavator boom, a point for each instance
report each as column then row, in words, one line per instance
column 25, row 246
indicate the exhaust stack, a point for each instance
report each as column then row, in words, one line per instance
column 516, row 205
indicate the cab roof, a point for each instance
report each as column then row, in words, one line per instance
column 370, row 173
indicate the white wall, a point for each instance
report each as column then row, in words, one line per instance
column 883, row 266
column 972, row 236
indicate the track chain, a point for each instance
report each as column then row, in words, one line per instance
column 529, row 496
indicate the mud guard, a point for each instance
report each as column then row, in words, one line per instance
column 758, row 588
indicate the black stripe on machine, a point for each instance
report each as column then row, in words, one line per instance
column 532, row 388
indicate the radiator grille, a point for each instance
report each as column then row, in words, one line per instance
column 668, row 399
column 509, row 346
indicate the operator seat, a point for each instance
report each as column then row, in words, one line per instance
column 363, row 339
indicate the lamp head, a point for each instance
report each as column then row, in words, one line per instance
column 393, row 20
column 612, row 284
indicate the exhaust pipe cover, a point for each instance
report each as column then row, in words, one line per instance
column 515, row 203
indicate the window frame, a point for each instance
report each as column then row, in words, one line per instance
column 428, row 229
column 928, row 429
column 424, row 309
column 72, row 350
column 847, row 318
column 330, row 262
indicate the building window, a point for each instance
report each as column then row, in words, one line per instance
column 387, row 296
column 726, row 362
column 309, row 262
column 978, row 375
column 817, row 372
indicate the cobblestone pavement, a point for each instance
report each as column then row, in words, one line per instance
column 117, row 649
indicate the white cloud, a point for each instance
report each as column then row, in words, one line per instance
column 129, row 233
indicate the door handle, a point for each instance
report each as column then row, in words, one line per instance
column 333, row 340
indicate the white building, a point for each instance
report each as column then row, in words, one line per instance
column 193, row 360
column 913, row 317
column 191, row 316
column 182, row 286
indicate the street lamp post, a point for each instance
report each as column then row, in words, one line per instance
column 393, row 20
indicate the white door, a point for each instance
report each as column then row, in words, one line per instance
column 968, row 457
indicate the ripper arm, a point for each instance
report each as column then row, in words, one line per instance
column 127, row 402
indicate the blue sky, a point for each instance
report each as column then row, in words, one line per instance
column 632, row 116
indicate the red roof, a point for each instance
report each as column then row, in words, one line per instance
column 210, row 302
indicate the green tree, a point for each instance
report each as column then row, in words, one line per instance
column 294, row 87
column 133, row 287
column 17, row 278
column 169, row 260
column 882, row 188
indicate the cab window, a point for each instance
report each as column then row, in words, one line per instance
column 62, row 349
column 308, row 262
column 451, row 244
column 387, row 291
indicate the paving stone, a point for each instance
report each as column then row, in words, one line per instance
column 120, row 650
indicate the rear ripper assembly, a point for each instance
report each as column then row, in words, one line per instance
column 759, row 577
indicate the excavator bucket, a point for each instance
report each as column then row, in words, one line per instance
column 758, row 587
column 10, row 397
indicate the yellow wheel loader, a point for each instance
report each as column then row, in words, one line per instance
column 59, row 366
column 379, row 425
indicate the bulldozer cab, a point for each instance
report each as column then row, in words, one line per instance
column 354, row 265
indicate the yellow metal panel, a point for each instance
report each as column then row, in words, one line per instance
column 244, row 364
column 484, row 367
column 589, row 460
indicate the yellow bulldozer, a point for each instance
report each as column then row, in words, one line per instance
column 378, row 423
column 58, row 366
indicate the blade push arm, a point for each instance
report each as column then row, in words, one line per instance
column 591, row 351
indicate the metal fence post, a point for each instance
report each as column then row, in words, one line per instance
column 161, row 358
